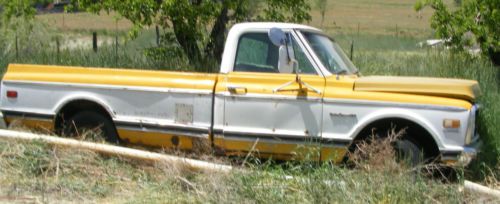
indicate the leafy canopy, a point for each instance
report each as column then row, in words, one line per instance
column 479, row 18
column 199, row 26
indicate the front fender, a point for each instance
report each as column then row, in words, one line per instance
column 397, row 113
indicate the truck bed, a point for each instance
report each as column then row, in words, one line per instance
column 138, row 101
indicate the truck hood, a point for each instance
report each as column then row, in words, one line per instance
column 452, row 88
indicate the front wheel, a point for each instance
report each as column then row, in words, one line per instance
column 90, row 121
column 408, row 152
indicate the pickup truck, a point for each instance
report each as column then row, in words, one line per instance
column 284, row 91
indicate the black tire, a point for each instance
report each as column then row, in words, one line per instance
column 408, row 152
column 88, row 120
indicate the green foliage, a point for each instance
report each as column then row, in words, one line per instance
column 199, row 26
column 17, row 9
column 286, row 11
column 478, row 17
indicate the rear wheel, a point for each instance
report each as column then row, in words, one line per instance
column 90, row 121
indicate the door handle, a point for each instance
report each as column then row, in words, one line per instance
column 237, row 89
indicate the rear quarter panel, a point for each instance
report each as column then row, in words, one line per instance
column 137, row 97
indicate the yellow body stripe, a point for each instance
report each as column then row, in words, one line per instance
column 156, row 139
column 102, row 76
column 39, row 125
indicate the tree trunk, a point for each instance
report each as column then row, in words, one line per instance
column 215, row 46
column 188, row 41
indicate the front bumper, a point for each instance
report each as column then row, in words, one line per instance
column 464, row 157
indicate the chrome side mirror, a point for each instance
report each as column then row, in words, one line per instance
column 277, row 36
column 286, row 60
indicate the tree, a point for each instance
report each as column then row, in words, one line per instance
column 199, row 26
column 16, row 9
column 477, row 17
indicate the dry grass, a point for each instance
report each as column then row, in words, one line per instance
column 85, row 21
column 375, row 17
column 49, row 173
column 492, row 179
column 377, row 153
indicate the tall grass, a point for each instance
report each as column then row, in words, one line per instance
column 54, row 174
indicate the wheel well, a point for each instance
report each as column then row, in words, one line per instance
column 76, row 106
column 414, row 132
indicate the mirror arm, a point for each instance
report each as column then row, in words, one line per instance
column 310, row 87
column 283, row 86
column 300, row 82
column 287, row 53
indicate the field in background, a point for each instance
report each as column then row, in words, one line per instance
column 374, row 16
column 47, row 173
column 85, row 21
column 342, row 16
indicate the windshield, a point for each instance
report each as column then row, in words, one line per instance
column 330, row 54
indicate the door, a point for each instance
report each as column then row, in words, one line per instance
column 268, row 112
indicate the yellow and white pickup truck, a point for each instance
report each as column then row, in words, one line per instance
column 283, row 91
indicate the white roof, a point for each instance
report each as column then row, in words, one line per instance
column 265, row 25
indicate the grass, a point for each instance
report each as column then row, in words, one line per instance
column 386, row 17
column 45, row 173
column 78, row 22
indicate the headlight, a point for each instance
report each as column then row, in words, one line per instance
column 471, row 127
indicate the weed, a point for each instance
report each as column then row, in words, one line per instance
column 377, row 153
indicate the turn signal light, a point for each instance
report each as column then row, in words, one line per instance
column 11, row 94
column 450, row 123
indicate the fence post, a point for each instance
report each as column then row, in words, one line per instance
column 358, row 30
column 157, row 36
column 17, row 48
column 94, row 41
column 397, row 33
column 352, row 49
column 58, row 49
column 116, row 50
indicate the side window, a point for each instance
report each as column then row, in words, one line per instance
column 305, row 66
column 256, row 53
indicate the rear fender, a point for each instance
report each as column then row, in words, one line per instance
column 83, row 96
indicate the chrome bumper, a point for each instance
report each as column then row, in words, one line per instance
column 464, row 157
column 470, row 152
